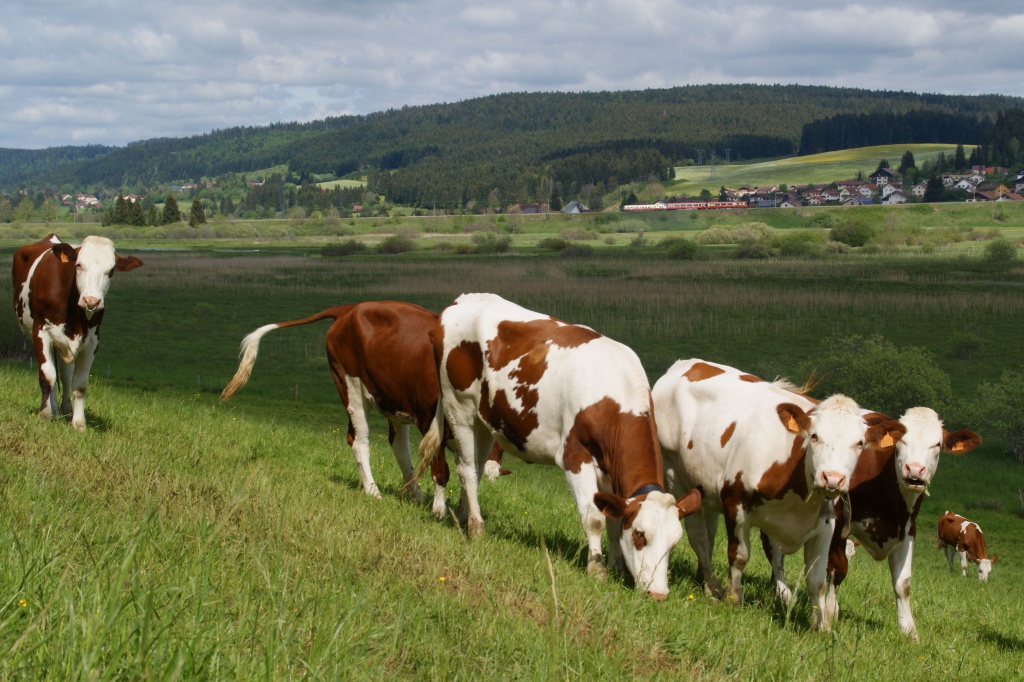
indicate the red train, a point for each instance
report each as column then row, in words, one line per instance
column 684, row 205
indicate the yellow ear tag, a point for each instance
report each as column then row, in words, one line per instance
column 958, row 447
column 792, row 425
column 886, row 442
column 63, row 258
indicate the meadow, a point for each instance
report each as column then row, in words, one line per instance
column 186, row 538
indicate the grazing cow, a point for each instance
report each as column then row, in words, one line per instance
column 886, row 492
column 762, row 455
column 381, row 358
column 59, row 292
column 957, row 535
column 561, row 394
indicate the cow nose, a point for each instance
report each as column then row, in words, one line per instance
column 657, row 596
column 914, row 471
column 832, row 481
column 90, row 302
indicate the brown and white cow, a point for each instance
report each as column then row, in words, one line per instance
column 560, row 394
column 762, row 455
column 59, row 298
column 381, row 358
column 957, row 535
column 886, row 492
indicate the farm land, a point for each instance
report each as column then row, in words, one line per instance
column 182, row 537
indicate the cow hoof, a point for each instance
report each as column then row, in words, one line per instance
column 439, row 510
column 79, row 427
column 475, row 528
column 492, row 470
column 372, row 491
column 596, row 568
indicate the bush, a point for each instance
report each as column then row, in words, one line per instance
column 1000, row 251
column 345, row 248
column 489, row 242
column 824, row 221
column 800, row 244
column 963, row 345
column 852, row 232
column 754, row 251
column 682, row 249
column 1000, row 409
column 577, row 251
column 576, row 234
column 880, row 376
column 553, row 244
column 396, row 243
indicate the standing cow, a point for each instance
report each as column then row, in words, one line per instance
column 560, row 394
column 59, row 292
column 762, row 455
column 957, row 535
column 886, row 492
column 381, row 358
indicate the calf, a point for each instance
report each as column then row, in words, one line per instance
column 886, row 492
column 59, row 298
column 381, row 358
column 560, row 394
column 761, row 455
column 957, row 535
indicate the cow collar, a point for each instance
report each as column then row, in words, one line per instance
column 644, row 489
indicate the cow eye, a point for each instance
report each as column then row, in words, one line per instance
column 814, row 438
column 639, row 539
column 860, row 444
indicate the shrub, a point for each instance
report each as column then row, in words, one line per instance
column 576, row 234
column 800, row 244
column 553, row 244
column 396, row 243
column 963, row 345
column 682, row 249
column 852, row 232
column 577, row 251
column 1000, row 251
column 880, row 376
column 823, row 221
column 345, row 248
column 489, row 242
column 754, row 251
column 1000, row 409
column 836, row 248
column 715, row 235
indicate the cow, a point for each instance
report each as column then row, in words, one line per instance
column 60, row 297
column 762, row 455
column 561, row 394
column 957, row 535
column 380, row 357
column 886, row 492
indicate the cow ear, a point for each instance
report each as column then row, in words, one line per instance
column 885, row 434
column 793, row 418
column 960, row 442
column 612, row 506
column 994, row 557
column 126, row 263
column 689, row 503
column 65, row 252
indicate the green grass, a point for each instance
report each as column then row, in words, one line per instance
column 181, row 537
column 800, row 170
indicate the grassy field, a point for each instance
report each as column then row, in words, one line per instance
column 800, row 170
column 185, row 538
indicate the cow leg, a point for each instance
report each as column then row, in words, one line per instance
column 738, row 534
column 492, row 469
column 359, row 434
column 472, row 442
column 900, row 568
column 963, row 564
column 440, row 473
column 583, row 486
column 701, row 527
column 816, row 566
column 777, row 560
column 398, row 435
column 76, row 382
column 47, row 372
column 67, row 372
column 950, row 553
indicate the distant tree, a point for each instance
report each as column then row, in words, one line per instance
column 197, row 214
column 6, row 211
column 136, row 216
column 1000, row 407
column 120, row 214
column 171, row 212
column 935, row 189
column 884, row 163
column 959, row 159
column 153, row 215
column 26, row 210
column 555, row 203
column 628, row 199
column 907, row 162
column 47, row 211
column 705, row 194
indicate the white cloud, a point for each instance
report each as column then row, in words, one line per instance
column 112, row 71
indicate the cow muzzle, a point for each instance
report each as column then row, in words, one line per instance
column 91, row 304
column 915, row 476
column 832, row 482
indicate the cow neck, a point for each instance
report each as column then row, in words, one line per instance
column 634, row 464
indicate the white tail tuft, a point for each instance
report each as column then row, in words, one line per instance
column 250, row 348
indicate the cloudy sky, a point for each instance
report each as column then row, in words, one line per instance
column 115, row 71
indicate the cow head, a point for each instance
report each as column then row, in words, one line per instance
column 834, row 433
column 650, row 529
column 917, row 453
column 985, row 567
column 95, row 262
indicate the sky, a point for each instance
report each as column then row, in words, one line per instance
column 77, row 72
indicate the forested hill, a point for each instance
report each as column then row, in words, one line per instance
column 516, row 145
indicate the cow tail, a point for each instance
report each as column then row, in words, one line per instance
column 251, row 347
column 432, row 446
